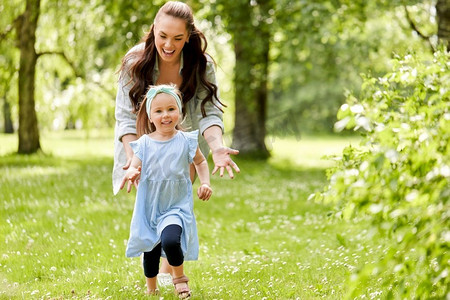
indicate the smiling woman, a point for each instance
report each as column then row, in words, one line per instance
column 172, row 52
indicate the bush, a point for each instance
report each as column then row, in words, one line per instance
column 399, row 176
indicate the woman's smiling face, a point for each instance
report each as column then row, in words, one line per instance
column 170, row 36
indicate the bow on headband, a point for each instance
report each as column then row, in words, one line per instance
column 155, row 90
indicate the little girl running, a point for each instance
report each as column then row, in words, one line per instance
column 163, row 222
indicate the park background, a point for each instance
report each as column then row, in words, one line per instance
column 284, row 228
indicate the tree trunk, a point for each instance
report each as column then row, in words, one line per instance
column 28, row 125
column 251, row 46
column 443, row 16
column 7, row 122
column 250, row 115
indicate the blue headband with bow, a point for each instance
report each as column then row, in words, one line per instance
column 155, row 90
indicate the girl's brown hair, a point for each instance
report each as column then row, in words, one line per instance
column 142, row 62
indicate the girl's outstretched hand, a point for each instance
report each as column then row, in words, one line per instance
column 204, row 192
column 222, row 161
column 133, row 179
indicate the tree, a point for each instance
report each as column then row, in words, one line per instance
column 6, row 79
column 248, row 23
column 26, row 25
column 443, row 13
column 7, row 121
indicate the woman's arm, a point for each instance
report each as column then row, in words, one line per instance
column 124, row 114
column 125, row 120
column 126, row 139
column 220, row 153
column 212, row 128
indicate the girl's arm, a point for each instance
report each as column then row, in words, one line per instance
column 133, row 174
column 204, row 191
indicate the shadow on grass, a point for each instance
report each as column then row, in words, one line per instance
column 48, row 159
column 280, row 169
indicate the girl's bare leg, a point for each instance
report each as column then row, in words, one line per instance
column 182, row 288
column 178, row 271
column 151, row 286
column 165, row 267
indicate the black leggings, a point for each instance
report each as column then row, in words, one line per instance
column 171, row 243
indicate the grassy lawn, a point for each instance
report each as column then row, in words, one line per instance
column 63, row 234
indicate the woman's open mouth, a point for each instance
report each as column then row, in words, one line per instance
column 167, row 52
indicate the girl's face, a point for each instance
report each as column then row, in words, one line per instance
column 164, row 113
column 170, row 37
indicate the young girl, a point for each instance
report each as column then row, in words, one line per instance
column 163, row 222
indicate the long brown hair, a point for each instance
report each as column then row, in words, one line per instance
column 142, row 62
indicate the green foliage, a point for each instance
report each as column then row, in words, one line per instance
column 400, row 176
column 77, row 89
column 317, row 49
column 321, row 47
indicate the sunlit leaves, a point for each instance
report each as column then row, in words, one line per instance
column 320, row 47
column 401, row 175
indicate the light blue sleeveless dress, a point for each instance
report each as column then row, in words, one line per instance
column 164, row 194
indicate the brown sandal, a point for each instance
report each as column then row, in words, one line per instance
column 184, row 292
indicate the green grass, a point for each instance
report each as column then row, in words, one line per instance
column 63, row 233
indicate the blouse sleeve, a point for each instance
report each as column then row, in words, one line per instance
column 214, row 115
column 125, row 118
column 192, row 138
column 137, row 147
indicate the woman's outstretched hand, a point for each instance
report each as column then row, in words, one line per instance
column 127, row 165
column 133, row 179
column 222, row 161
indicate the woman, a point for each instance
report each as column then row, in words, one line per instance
column 173, row 52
